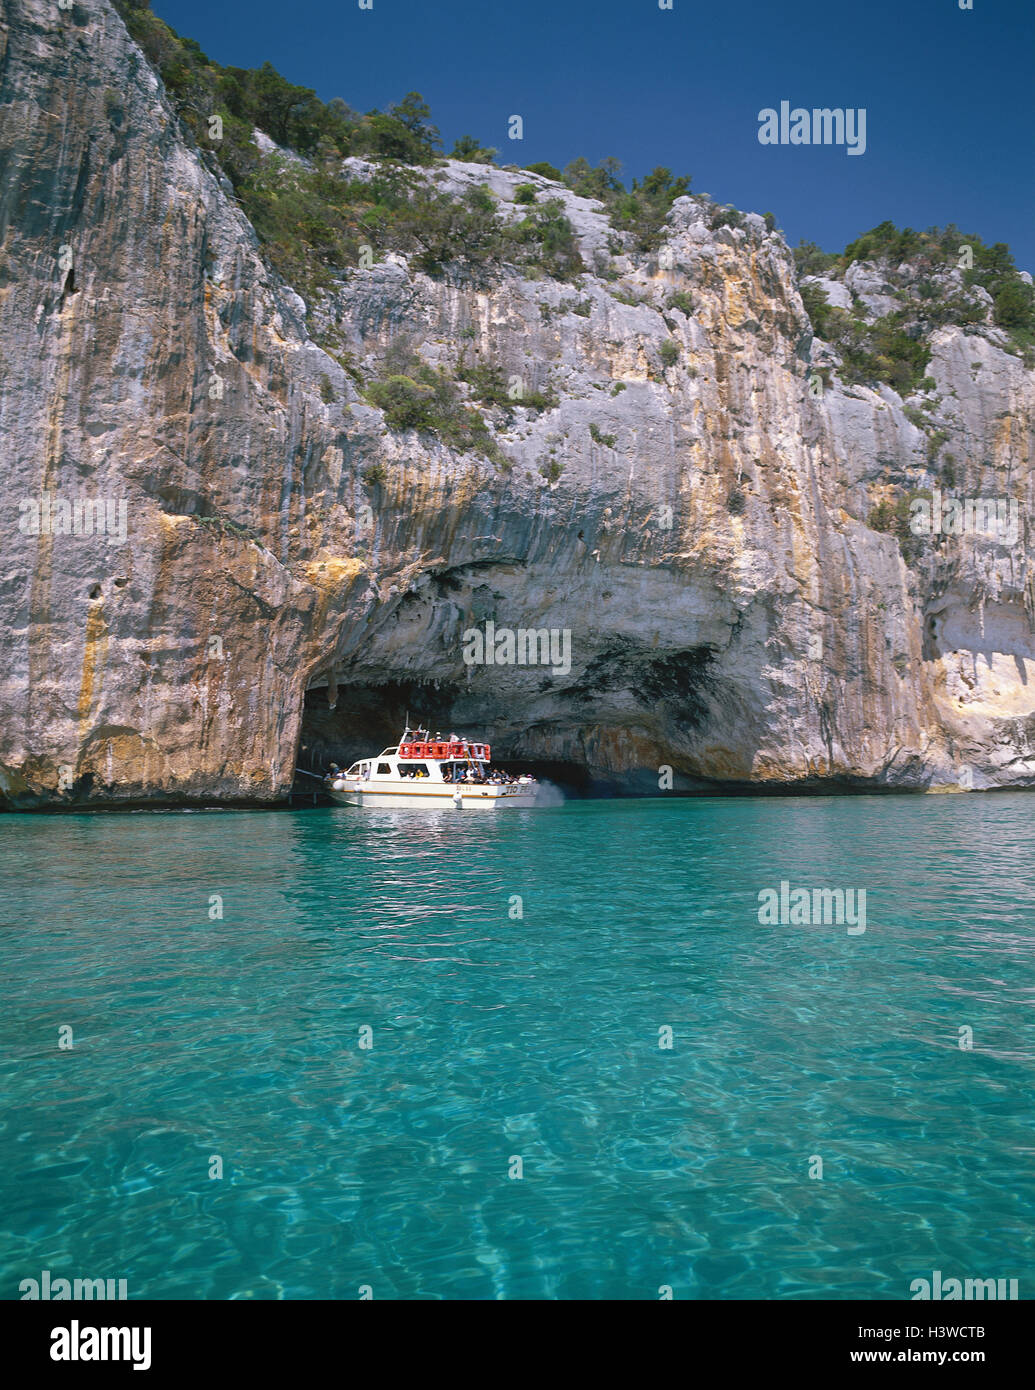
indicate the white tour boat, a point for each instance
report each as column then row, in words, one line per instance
column 427, row 772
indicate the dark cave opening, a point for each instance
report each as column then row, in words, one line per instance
column 367, row 718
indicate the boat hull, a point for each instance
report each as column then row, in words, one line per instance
column 436, row 798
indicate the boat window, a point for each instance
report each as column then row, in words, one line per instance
column 413, row 769
column 353, row 770
column 383, row 770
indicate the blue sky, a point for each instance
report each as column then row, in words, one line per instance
column 949, row 93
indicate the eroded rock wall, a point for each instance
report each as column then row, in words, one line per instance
column 698, row 526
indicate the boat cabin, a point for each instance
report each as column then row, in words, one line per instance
column 418, row 756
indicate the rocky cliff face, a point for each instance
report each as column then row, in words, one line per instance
column 286, row 568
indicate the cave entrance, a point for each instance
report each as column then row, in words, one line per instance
column 364, row 719
column 367, row 718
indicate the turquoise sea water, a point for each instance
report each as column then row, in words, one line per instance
column 497, row 1037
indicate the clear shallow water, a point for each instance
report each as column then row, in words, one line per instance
column 496, row 1037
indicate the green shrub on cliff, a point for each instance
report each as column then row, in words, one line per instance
column 933, row 252
column 994, row 269
column 444, row 231
column 725, row 217
column 810, row 260
column 891, row 516
column 547, row 171
column 894, row 353
column 468, row 149
column 489, row 383
column 639, row 210
column 817, row 306
column 426, row 399
column 544, row 238
column 601, row 183
column 313, row 220
column 306, row 231
column 293, row 116
column 892, row 349
column 885, row 240
column 643, row 209
column 1012, row 304
column 407, row 404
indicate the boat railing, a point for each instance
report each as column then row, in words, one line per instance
column 446, row 750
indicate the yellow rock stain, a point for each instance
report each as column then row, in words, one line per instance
column 93, row 661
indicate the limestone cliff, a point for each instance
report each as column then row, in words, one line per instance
column 680, row 499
